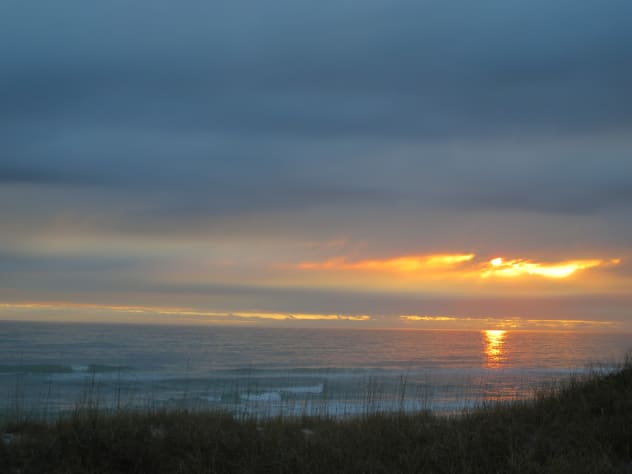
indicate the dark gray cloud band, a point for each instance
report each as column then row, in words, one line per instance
column 391, row 69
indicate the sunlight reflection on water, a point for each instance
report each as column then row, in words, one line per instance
column 494, row 347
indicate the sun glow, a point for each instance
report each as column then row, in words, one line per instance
column 516, row 268
column 503, row 324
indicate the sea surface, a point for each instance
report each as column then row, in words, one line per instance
column 49, row 368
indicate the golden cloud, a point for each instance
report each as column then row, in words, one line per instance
column 302, row 316
column 214, row 316
column 410, row 263
column 510, row 323
column 414, row 317
column 453, row 265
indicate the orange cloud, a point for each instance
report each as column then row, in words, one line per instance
column 452, row 265
column 411, row 263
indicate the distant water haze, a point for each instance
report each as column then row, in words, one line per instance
column 47, row 368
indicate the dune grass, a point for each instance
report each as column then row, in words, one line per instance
column 584, row 426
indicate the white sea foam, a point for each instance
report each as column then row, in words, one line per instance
column 262, row 397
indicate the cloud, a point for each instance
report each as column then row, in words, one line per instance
column 459, row 266
column 410, row 263
column 46, row 175
column 577, row 182
column 298, row 69
column 18, row 265
column 508, row 323
column 137, row 313
column 475, row 319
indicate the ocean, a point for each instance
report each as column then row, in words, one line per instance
column 50, row 368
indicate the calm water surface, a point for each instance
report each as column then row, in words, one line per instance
column 47, row 368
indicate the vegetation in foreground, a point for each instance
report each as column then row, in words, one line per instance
column 583, row 427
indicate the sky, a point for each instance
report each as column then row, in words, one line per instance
column 367, row 164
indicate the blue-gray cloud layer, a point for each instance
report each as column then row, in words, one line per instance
column 209, row 100
column 379, row 68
